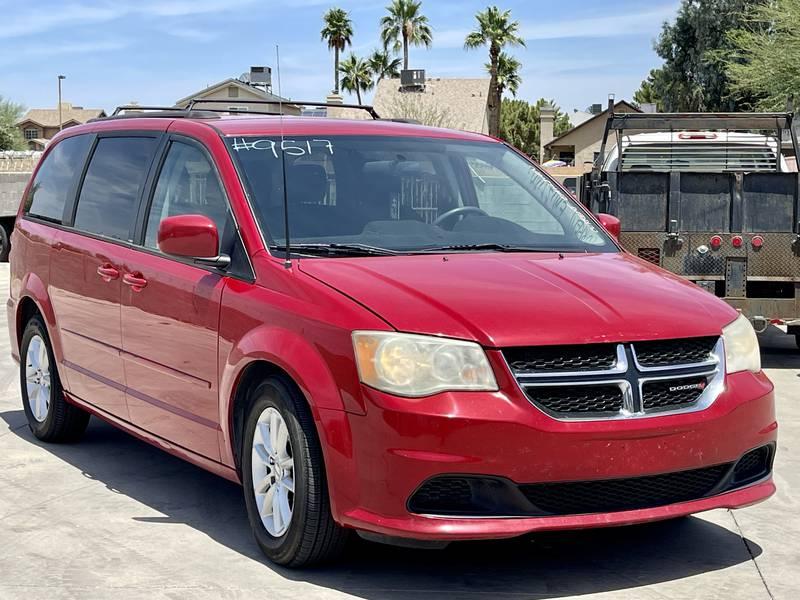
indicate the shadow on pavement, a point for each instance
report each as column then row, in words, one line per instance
column 547, row 565
column 778, row 350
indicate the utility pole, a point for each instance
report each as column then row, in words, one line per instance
column 60, row 120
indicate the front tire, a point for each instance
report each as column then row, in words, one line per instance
column 283, row 476
column 50, row 417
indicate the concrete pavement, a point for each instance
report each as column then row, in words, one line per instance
column 114, row 517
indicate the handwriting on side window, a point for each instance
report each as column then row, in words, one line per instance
column 290, row 147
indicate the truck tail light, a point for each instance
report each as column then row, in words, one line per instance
column 757, row 242
column 737, row 241
column 715, row 242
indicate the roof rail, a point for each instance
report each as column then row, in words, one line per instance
column 365, row 107
column 135, row 111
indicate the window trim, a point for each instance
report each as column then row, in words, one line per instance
column 138, row 238
column 71, row 209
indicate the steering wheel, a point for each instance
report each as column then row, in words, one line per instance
column 459, row 212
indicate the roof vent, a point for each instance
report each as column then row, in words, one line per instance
column 412, row 80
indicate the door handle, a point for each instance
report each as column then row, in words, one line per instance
column 135, row 280
column 107, row 272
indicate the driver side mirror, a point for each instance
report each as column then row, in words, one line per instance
column 191, row 236
column 611, row 224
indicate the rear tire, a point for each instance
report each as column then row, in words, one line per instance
column 289, row 472
column 797, row 339
column 50, row 417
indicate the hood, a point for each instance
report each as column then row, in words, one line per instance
column 526, row 299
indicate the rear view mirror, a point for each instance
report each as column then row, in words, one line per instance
column 189, row 236
column 611, row 224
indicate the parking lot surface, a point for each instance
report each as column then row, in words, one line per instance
column 112, row 517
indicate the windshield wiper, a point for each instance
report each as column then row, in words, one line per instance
column 489, row 246
column 334, row 249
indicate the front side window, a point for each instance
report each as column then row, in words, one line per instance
column 56, row 177
column 109, row 196
column 404, row 194
column 187, row 185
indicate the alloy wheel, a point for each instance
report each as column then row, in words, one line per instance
column 37, row 378
column 273, row 472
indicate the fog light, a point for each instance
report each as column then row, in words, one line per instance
column 737, row 241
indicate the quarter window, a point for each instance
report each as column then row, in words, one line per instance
column 110, row 193
column 187, row 185
column 56, row 177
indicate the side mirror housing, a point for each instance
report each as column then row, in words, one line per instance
column 611, row 224
column 189, row 236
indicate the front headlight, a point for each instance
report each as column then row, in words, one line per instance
column 420, row 365
column 741, row 346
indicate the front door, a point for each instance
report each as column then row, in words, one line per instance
column 170, row 311
column 86, row 270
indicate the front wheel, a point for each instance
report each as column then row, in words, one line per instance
column 283, row 475
column 50, row 417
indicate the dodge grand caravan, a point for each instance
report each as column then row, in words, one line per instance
column 404, row 331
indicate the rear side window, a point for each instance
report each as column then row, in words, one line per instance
column 55, row 178
column 109, row 196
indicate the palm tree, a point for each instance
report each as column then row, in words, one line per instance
column 405, row 22
column 338, row 32
column 508, row 77
column 495, row 29
column 356, row 75
column 383, row 65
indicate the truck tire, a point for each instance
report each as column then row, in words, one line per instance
column 282, row 466
column 5, row 243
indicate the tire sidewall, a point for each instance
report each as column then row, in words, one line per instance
column 43, row 428
column 273, row 393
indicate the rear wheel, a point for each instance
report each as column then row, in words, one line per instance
column 283, row 477
column 50, row 417
column 797, row 339
column 5, row 243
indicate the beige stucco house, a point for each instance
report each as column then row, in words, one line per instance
column 39, row 125
column 440, row 102
column 238, row 96
column 581, row 144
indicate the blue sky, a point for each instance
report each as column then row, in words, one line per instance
column 157, row 51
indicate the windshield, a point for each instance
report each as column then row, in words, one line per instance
column 369, row 195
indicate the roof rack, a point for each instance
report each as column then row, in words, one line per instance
column 366, row 107
column 667, row 121
column 133, row 111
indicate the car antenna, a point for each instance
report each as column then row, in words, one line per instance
column 288, row 259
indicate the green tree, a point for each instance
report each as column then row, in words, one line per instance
column 383, row 65
column 693, row 76
column 405, row 25
column 520, row 124
column 356, row 75
column 10, row 137
column 337, row 30
column 508, row 77
column 646, row 93
column 764, row 67
column 496, row 30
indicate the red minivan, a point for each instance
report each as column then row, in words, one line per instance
column 408, row 332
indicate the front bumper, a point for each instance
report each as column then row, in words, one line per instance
column 376, row 461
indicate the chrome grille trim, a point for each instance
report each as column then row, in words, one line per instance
column 630, row 376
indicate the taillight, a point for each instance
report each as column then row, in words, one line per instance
column 757, row 242
column 737, row 241
column 715, row 242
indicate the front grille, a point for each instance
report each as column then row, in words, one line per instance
column 665, row 353
column 651, row 255
column 610, row 495
column 443, row 494
column 672, row 392
column 544, row 359
column 619, row 380
column 490, row 496
column 577, row 399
